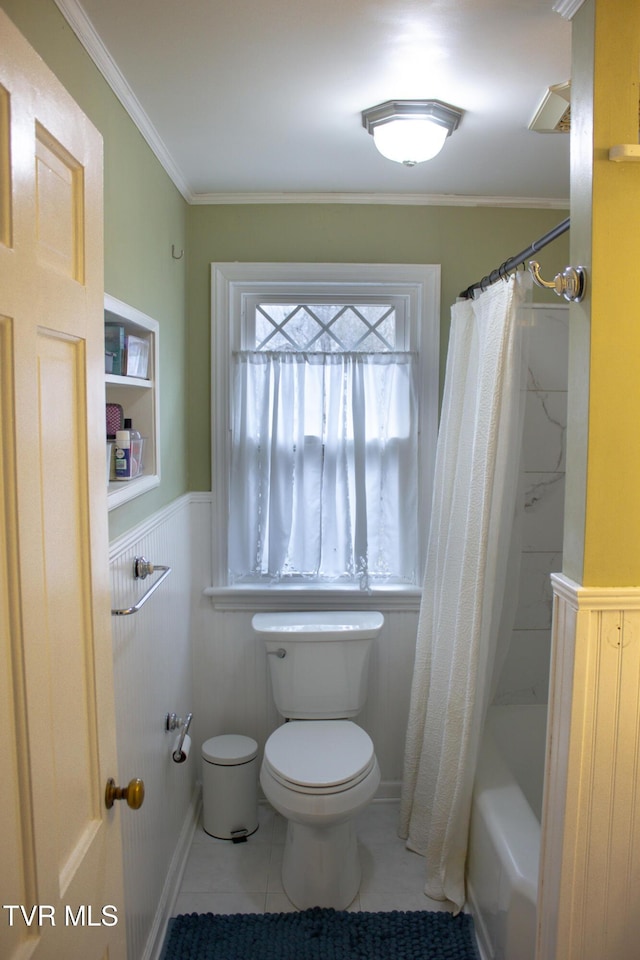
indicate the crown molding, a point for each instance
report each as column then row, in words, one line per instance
column 397, row 199
column 88, row 37
column 86, row 33
column 567, row 8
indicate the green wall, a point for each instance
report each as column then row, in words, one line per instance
column 468, row 242
column 144, row 215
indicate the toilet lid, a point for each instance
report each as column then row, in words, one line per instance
column 319, row 753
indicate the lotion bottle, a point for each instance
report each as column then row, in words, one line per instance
column 123, row 455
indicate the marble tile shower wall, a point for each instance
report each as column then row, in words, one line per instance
column 525, row 675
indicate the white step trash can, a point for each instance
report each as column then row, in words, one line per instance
column 230, row 787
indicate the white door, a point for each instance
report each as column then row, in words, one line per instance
column 60, row 856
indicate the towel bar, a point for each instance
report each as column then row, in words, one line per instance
column 141, row 569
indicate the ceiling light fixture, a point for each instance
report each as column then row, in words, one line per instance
column 410, row 131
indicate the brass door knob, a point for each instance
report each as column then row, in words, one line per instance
column 133, row 793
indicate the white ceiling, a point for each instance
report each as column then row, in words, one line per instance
column 246, row 99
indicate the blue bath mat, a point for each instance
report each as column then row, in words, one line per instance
column 320, row 934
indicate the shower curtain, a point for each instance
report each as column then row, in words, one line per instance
column 463, row 620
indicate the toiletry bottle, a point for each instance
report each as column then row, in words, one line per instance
column 123, row 455
column 135, row 447
column 128, row 425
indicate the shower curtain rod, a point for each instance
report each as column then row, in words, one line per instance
column 501, row 272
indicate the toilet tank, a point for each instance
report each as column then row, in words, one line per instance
column 323, row 672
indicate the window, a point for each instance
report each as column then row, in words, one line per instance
column 325, row 406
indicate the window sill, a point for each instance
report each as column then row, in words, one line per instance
column 250, row 597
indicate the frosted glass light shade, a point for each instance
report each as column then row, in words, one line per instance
column 410, row 141
column 410, row 131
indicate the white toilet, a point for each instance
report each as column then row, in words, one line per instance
column 319, row 769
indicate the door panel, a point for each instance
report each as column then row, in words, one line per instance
column 67, row 575
column 59, row 206
column 61, row 882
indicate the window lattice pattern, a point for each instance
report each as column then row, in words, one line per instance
column 326, row 327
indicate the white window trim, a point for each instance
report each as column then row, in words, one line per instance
column 230, row 282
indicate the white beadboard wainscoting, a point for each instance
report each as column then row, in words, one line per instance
column 181, row 652
column 232, row 687
column 590, row 824
column 153, row 676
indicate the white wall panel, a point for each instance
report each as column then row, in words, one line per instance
column 588, row 892
column 232, row 690
column 153, row 677
column 181, row 653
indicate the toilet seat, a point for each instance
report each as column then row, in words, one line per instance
column 319, row 756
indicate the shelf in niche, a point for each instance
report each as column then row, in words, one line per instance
column 121, row 491
column 139, row 399
column 113, row 378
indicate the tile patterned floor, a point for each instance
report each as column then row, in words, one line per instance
column 222, row 877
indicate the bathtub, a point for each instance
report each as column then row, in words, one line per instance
column 504, row 841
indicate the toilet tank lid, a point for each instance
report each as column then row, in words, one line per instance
column 314, row 624
column 229, row 749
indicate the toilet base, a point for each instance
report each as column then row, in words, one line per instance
column 321, row 865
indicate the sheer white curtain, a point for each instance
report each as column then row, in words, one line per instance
column 323, row 467
column 474, row 505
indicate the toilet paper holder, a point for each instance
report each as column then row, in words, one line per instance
column 174, row 722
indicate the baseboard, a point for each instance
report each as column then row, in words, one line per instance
column 389, row 790
column 155, row 941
